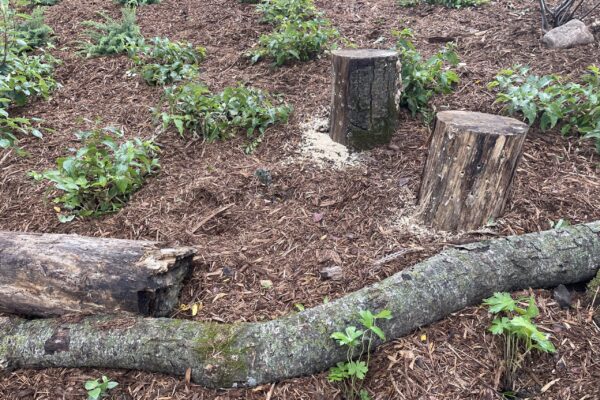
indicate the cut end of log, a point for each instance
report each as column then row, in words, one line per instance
column 161, row 260
column 168, row 268
column 364, row 53
column 469, row 122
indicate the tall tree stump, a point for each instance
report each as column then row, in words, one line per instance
column 364, row 111
column 470, row 168
column 52, row 274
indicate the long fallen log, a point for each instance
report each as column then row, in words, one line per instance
column 247, row 354
column 53, row 274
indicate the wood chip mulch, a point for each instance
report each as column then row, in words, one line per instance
column 207, row 196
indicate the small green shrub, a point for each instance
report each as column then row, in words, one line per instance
column 573, row 106
column 22, row 75
column 295, row 40
column 520, row 334
column 96, row 389
column 43, row 2
column 33, row 31
column 277, row 11
column 111, row 36
column 359, row 341
column 193, row 109
column 100, row 176
column 445, row 3
column 165, row 62
column 136, row 3
column 423, row 79
column 301, row 33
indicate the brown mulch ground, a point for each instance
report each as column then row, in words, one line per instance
column 271, row 233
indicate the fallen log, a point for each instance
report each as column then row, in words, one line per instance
column 247, row 354
column 53, row 274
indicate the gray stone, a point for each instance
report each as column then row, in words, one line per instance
column 573, row 33
column 334, row 273
column 562, row 296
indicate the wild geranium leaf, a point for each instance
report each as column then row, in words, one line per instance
column 94, row 394
column 384, row 314
column 500, row 302
column 499, row 326
column 532, row 309
column 376, row 330
column 366, row 319
column 358, row 369
column 89, row 385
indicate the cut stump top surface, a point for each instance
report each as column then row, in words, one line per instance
column 364, row 53
column 476, row 122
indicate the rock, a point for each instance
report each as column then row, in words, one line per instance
column 334, row 273
column 264, row 176
column 562, row 296
column 573, row 33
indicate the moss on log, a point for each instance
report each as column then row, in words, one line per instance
column 247, row 354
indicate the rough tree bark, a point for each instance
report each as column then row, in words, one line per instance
column 364, row 110
column 247, row 354
column 470, row 168
column 53, row 274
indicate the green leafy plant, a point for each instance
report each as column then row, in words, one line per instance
column 295, row 40
column 276, row 11
column 163, row 62
column 423, row 79
column 560, row 224
column 100, row 176
column 22, row 74
column 520, row 334
column 112, row 36
column 33, row 30
column 573, row 106
column 97, row 389
column 301, row 33
column 193, row 109
column 137, row 3
column 445, row 3
column 352, row 372
column 44, row 2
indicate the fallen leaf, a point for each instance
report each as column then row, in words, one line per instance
column 195, row 309
column 549, row 385
column 57, row 209
column 219, row 296
column 423, row 338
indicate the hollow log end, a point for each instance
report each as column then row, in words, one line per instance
column 161, row 260
column 168, row 267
